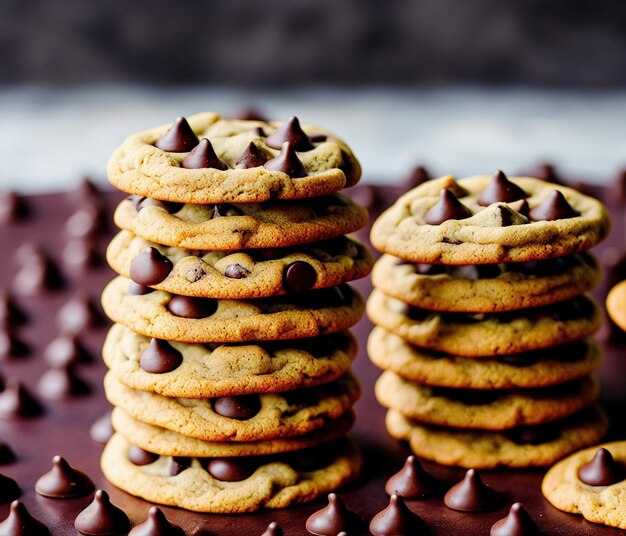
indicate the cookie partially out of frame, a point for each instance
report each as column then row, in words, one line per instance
column 486, row 288
column 272, row 482
column 232, row 227
column 487, row 334
column 260, row 273
column 491, row 234
column 139, row 167
column 317, row 312
column 538, row 368
column 616, row 304
column 230, row 369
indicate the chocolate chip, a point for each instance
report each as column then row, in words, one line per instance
column 419, row 175
column 412, row 481
column 156, row 525
column 548, row 173
column 364, row 195
column 251, row 157
column 10, row 345
column 21, row 523
column 475, row 271
column 534, row 435
column 447, row 208
column 9, row 490
column 397, row 520
column 66, row 350
column 86, row 191
column 230, row 469
column 236, row 271
column 63, row 481
column 86, row 221
column 16, row 401
column 142, row 202
column 520, row 207
column 241, row 407
column 500, row 189
column 102, row 429
column 517, row 523
column 299, row 276
column 291, row 132
column 203, row 156
column 273, row 529
column 287, row 162
column 555, row 207
column 81, row 254
column 150, row 267
column 177, row 464
column 472, row 495
column 10, row 313
column 160, row 357
column 12, row 208
column 188, row 307
column 318, row 138
column 37, row 275
column 180, row 138
column 78, row 315
column 259, row 132
column 334, row 518
column 139, row 456
column 225, row 209
column 135, row 289
column 101, row 517
column 6, row 454
column 602, row 470
column 60, row 383
column 249, row 113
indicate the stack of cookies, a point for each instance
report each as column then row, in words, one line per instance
column 484, row 330
column 229, row 362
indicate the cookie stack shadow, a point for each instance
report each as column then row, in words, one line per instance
column 484, row 330
column 230, row 357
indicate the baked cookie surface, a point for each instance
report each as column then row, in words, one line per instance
column 261, row 483
column 477, row 335
column 493, row 233
column 486, row 288
column 139, row 167
column 539, row 368
column 250, row 273
column 240, row 226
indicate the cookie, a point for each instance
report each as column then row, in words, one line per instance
column 487, row 334
column 217, row 486
column 244, row 418
column 250, row 273
column 486, row 410
column 538, row 368
column 537, row 446
column 443, row 222
column 616, row 304
column 486, row 288
column 230, row 369
column 308, row 314
column 601, row 503
column 231, row 227
column 249, row 165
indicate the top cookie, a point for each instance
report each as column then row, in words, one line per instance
column 483, row 220
column 244, row 161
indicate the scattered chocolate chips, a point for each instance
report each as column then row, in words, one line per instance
column 517, row 523
column 236, row 271
column 150, row 267
column 180, row 138
column 188, row 307
column 156, row 525
column 160, row 357
column 602, row 470
column 86, row 221
column 21, row 523
column 287, row 162
column 249, row 113
column 10, row 313
column 472, row 495
column 16, row 401
column 6, row 454
column 534, row 435
column 397, row 520
column 412, row 481
column 12, row 208
column 251, row 157
column 230, row 469
column 548, row 173
column 81, row 254
column 66, row 350
column 102, row 429
column 139, row 456
column 299, row 276
column 240, row 407
column 101, row 517
column 9, row 490
column 10, row 345
column 447, row 208
column 554, row 207
column 60, row 383
column 63, row 481
column 418, row 175
column 135, row 289
column 291, row 132
column 86, row 191
column 273, row 529
column 78, row 315
column 203, row 156
column 500, row 189
column 333, row 519
column 177, row 464
column 37, row 274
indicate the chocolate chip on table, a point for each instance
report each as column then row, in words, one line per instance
column 189, row 307
column 66, row 350
column 10, row 313
column 139, row 456
column 397, row 520
column 177, row 464
column 299, row 276
column 472, row 495
column 180, row 138
column 10, row 345
column 60, row 383
column 101, row 517
column 6, row 454
column 203, row 156
column 9, row 490
column 16, row 401
column 156, row 525
column 517, row 523
column 547, row 172
column 249, row 113
column 21, row 523
column 81, row 254
column 236, row 271
column 602, row 470
column 290, row 131
column 412, row 481
column 554, row 207
column 86, row 221
column 251, row 157
column 239, row 407
column 150, row 267
column 273, row 529
column 500, row 189
column 78, row 315
column 12, row 208
column 447, row 208
column 418, row 175
column 334, row 518
column 102, row 429
column 160, row 357
column 63, row 481
column 287, row 162
column 230, row 469
column 37, row 273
